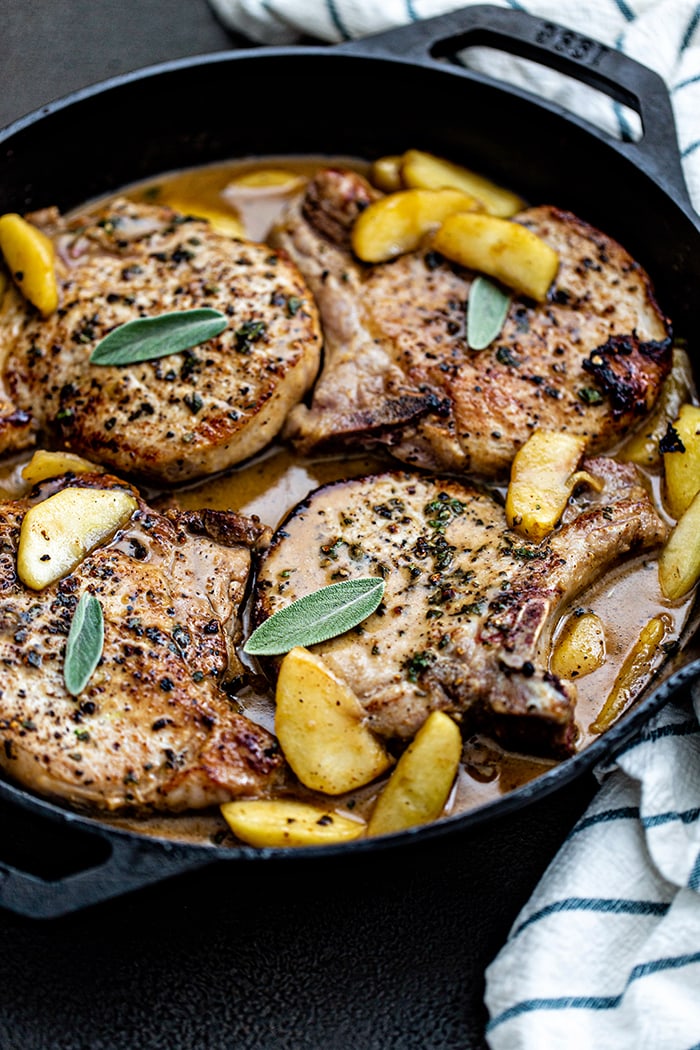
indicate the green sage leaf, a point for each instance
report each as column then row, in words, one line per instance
column 323, row 614
column 84, row 645
column 146, row 338
column 487, row 308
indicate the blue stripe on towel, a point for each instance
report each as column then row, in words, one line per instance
column 336, row 19
column 625, row 11
column 566, row 1002
column 690, row 30
column 610, row 905
column 594, row 1002
column 605, row 815
column 413, row 15
column 694, row 878
column 674, row 962
column 686, row 83
column 687, row 728
column 690, row 149
column 688, row 816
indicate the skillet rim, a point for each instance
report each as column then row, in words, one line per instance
column 546, row 783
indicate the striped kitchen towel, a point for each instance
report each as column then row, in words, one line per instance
column 663, row 34
column 606, row 954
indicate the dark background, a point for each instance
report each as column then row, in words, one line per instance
column 376, row 953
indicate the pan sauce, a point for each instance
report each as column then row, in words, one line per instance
column 276, row 480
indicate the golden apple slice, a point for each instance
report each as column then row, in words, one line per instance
column 682, row 469
column 320, row 726
column 30, row 258
column 580, row 647
column 397, row 223
column 421, row 783
column 283, row 822
column 425, row 171
column 679, row 564
column 385, row 173
column 58, row 533
column 45, row 464
column 222, row 220
column 542, row 477
column 502, row 249
column 639, row 665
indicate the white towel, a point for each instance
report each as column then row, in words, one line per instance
column 663, row 34
column 606, row 954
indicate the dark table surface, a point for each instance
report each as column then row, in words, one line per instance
column 381, row 952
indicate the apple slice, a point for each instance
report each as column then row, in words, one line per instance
column 45, row 464
column 58, row 533
column 397, row 223
column 421, row 783
column 283, row 822
column 500, row 248
column 320, row 726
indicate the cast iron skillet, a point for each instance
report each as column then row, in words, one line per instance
column 376, row 96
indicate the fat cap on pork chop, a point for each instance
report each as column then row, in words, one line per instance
column 468, row 606
column 152, row 729
column 398, row 370
column 184, row 415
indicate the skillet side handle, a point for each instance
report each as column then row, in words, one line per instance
column 561, row 49
column 126, row 865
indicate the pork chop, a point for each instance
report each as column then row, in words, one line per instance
column 398, row 370
column 153, row 729
column 469, row 605
column 184, row 415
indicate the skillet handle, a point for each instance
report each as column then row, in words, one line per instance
column 113, row 865
column 555, row 47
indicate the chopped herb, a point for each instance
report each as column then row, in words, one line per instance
column 505, row 357
column 589, row 395
column 249, row 332
column 529, row 553
column 418, row 663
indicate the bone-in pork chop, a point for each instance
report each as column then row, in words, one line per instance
column 186, row 414
column 152, row 728
column 469, row 605
column 398, row 370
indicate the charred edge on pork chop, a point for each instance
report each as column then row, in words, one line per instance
column 153, row 729
column 469, row 604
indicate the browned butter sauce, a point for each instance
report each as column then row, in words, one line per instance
column 276, row 480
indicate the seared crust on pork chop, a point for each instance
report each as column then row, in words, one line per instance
column 398, row 370
column 184, row 415
column 469, row 605
column 153, row 728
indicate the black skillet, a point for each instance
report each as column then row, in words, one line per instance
column 375, row 96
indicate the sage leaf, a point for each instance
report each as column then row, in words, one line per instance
column 146, row 338
column 84, row 645
column 487, row 307
column 323, row 614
